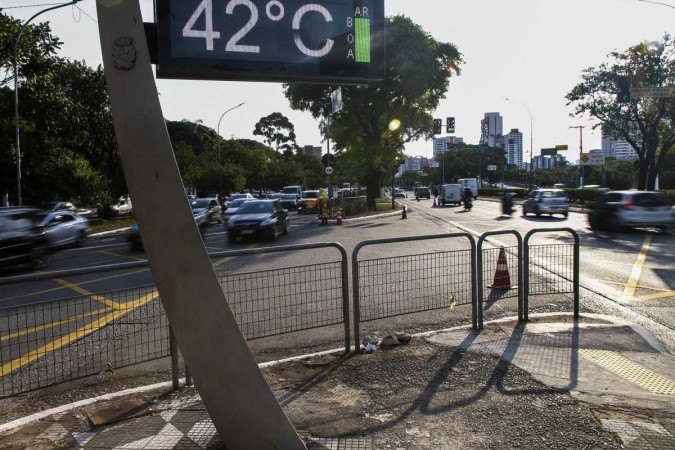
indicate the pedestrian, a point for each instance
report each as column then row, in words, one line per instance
column 323, row 207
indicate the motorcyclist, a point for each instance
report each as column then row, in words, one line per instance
column 467, row 197
column 507, row 203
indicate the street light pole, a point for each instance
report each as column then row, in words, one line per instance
column 531, row 135
column 17, row 128
column 220, row 174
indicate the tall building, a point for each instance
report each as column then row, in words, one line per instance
column 492, row 130
column 513, row 149
column 415, row 164
column 618, row 148
column 442, row 143
column 312, row 150
column 547, row 162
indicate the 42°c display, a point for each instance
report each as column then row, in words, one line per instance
column 337, row 41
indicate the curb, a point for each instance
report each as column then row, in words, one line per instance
column 646, row 335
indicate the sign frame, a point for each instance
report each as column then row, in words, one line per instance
column 229, row 68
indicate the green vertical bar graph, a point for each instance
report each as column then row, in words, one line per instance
column 362, row 27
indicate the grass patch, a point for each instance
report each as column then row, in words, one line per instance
column 98, row 226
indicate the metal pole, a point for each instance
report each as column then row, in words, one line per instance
column 173, row 351
column 17, row 127
column 220, row 174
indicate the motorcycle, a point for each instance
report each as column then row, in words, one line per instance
column 468, row 203
column 507, row 205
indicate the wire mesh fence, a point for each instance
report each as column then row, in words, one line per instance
column 47, row 343
column 414, row 283
column 551, row 269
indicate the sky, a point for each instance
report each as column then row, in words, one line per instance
column 532, row 51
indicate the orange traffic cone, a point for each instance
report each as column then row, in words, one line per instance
column 339, row 218
column 502, row 280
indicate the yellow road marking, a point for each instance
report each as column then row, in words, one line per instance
column 632, row 371
column 106, row 252
column 228, row 258
column 631, row 284
column 74, row 336
column 639, row 286
column 80, row 290
column 658, row 296
column 46, row 326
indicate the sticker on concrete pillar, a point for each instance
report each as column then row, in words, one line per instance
column 124, row 53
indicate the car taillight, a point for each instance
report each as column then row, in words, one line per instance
column 628, row 204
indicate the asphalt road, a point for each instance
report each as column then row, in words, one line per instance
column 117, row 313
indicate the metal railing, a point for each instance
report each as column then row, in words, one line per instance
column 488, row 263
column 386, row 287
column 557, row 268
column 60, row 340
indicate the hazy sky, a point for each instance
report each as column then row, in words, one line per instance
column 530, row 50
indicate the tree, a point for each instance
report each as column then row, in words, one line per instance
column 278, row 132
column 416, row 79
column 648, row 125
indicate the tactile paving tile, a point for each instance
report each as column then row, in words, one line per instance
column 340, row 443
column 641, row 435
column 632, row 371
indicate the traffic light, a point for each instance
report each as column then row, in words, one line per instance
column 623, row 83
column 438, row 123
column 450, row 125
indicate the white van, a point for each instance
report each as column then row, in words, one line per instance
column 471, row 183
column 450, row 193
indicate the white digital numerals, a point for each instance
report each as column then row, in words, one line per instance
column 274, row 11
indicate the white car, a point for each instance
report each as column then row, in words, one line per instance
column 400, row 193
column 620, row 209
column 63, row 228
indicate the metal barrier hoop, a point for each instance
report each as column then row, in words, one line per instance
column 526, row 264
column 479, row 273
column 355, row 273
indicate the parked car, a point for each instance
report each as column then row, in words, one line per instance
column 620, row 209
column 546, row 201
column 233, row 207
column 288, row 201
column 63, row 228
column 209, row 207
column 22, row 238
column 450, row 193
column 261, row 218
column 400, row 193
column 56, row 206
column 309, row 201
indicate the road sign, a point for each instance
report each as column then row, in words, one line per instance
column 592, row 159
column 434, row 164
column 336, row 100
column 340, row 41
column 328, row 170
column 610, row 158
column 492, row 167
column 652, row 92
column 561, row 147
column 328, row 159
column 549, row 151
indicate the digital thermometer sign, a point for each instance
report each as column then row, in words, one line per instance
column 336, row 41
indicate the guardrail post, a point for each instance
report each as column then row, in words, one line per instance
column 526, row 278
column 480, row 283
column 474, row 288
column 576, row 274
column 345, row 298
column 173, row 350
column 357, row 299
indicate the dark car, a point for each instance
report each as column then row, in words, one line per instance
column 22, row 238
column 422, row 192
column 208, row 206
column 261, row 218
column 288, row 201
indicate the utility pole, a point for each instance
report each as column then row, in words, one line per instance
column 581, row 151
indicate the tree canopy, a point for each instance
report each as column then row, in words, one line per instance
column 647, row 124
column 416, row 79
column 278, row 131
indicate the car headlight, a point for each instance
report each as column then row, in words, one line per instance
column 268, row 222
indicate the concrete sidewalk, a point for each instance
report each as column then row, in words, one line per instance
column 553, row 383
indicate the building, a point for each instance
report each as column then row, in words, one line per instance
column 442, row 143
column 513, row 149
column 618, row 148
column 312, row 150
column 415, row 164
column 547, row 162
column 491, row 128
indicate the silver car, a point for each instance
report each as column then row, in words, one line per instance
column 63, row 228
column 623, row 209
column 546, row 201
